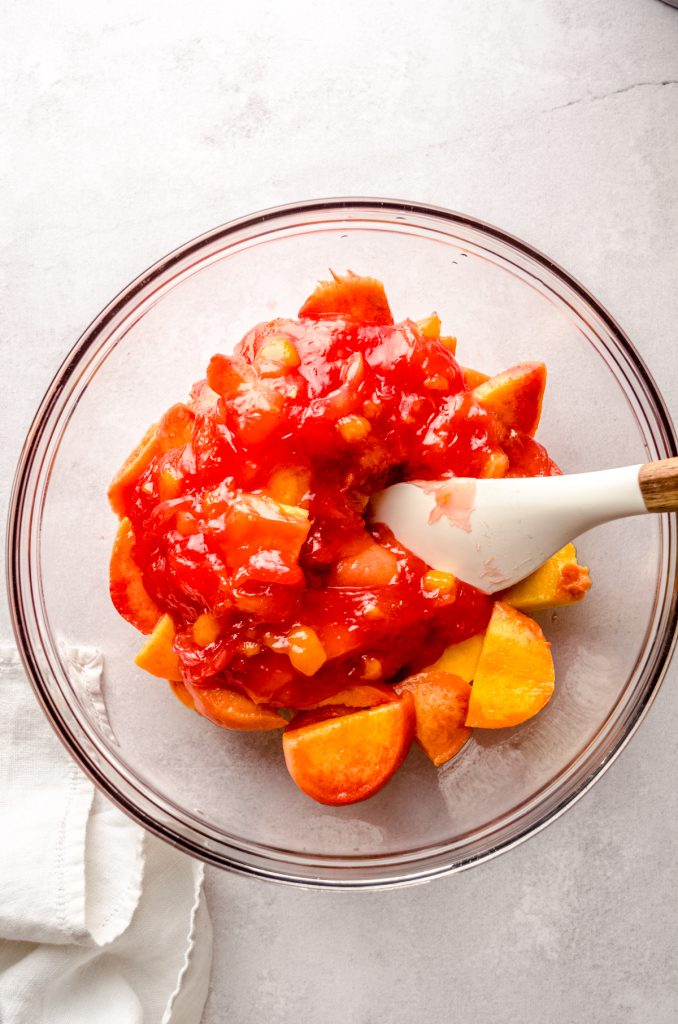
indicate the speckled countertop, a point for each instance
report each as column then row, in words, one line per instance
column 128, row 128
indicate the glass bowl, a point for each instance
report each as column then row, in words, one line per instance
column 226, row 797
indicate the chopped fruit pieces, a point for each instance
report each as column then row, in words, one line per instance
column 437, row 383
column 134, row 465
column 276, row 357
column 158, row 656
column 361, row 298
column 440, row 706
column 372, row 668
column 430, row 327
column 169, row 484
column 365, row 696
column 472, row 378
column 128, row 593
column 514, row 676
column 289, row 485
column 461, row 659
column 226, row 375
column 496, row 466
column 255, row 523
column 247, row 549
column 206, row 629
column 515, row 396
column 233, row 710
column 439, row 582
column 372, row 566
column 175, row 428
column 559, row 581
column 305, row 650
column 353, row 428
column 341, row 760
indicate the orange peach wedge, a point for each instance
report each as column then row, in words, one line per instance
column 461, row 659
column 559, row 581
column 126, row 583
column 130, row 471
column 514, row 676
column 515, row 396
column 440, row 706
column 158, row 656
column 232, row 710
column 472, row 378
column 365, row 695
column 361, row 298
column 341, row 759
column 181, row 693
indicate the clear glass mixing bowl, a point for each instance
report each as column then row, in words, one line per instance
column 226, row 797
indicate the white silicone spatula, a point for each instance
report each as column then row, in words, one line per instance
column 493, row 533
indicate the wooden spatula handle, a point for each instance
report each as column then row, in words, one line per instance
column 659, row 485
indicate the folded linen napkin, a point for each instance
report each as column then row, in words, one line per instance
column 99, row 921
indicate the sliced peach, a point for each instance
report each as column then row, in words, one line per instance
column 128, row 593
column 361, row 298
column 440, row 706
column 514, row 677
column 559, row 581
column 365, row 695
column 430, row 327
column 227, row 375
column 472, row 378
column 256, row 523
column 461, row 659
column 449, row 342
column 233, row 710
column 341, row 760
column 158, row 656
column 175, row 427
column 181, row 693
column 130, row 471
column 515, row 396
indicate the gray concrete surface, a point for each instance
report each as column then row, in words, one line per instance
column 127, row 128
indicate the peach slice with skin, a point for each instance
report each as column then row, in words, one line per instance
column 461, row 659
column 440, row 706
column 158, row 656
column 366, row 695
column 181, row 693
column 134, row 465
column 472, row 378
column 360, row 298
column 127, row 589
column 559, row 581
column 232, row 710
column 515, row 396
column 344, row 758
column 514, row 677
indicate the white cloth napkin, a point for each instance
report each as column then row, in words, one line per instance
column 100, row 922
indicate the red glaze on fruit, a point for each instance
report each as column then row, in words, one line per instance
column 249, row 503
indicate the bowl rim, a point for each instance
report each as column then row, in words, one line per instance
column 20, row 490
